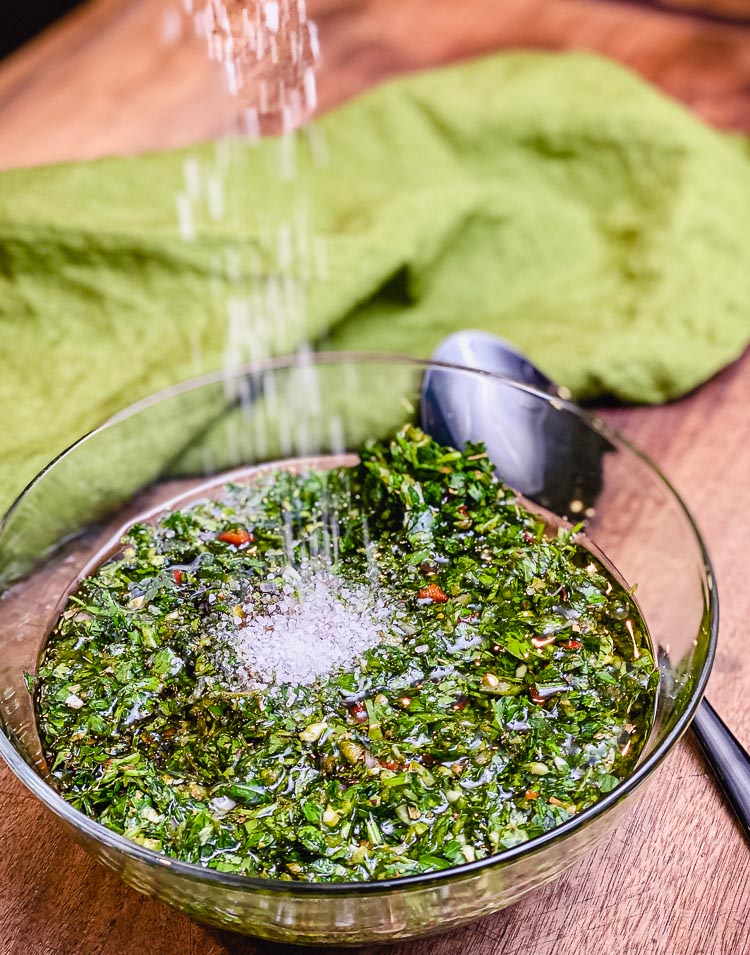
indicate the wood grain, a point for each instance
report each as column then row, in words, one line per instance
column 674, row 878
column 731, row 10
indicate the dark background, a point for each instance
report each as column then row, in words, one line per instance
column 21, row 19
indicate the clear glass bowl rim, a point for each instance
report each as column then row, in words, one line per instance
column 99, row 833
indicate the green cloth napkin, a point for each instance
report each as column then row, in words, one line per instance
column 554, row 199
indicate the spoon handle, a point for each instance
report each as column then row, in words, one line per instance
column 729, row 761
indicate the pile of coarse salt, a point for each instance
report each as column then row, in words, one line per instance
column 313, row 624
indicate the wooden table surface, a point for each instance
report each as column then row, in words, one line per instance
column 674, row 878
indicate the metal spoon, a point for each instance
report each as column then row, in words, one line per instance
column 553, row 459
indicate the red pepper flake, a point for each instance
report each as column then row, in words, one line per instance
column 238, row 538
column 434, row 593
column 534, row 695
column 460, row 704
column 463, row 510
column 528, row 537
column 531, row 794
column 571, row 645
column 389, row 764
column 359, row 712
column 178, row 575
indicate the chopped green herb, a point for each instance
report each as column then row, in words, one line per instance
column 509, row 683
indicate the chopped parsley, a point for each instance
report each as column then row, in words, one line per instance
column 514, row 687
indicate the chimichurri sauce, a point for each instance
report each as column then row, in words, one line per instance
column 502, row 679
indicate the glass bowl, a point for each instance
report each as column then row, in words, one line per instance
column 172, row 445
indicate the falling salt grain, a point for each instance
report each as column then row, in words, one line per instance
column 185, row 220
column 271, row 15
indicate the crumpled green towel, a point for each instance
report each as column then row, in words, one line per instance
column 554, row 199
